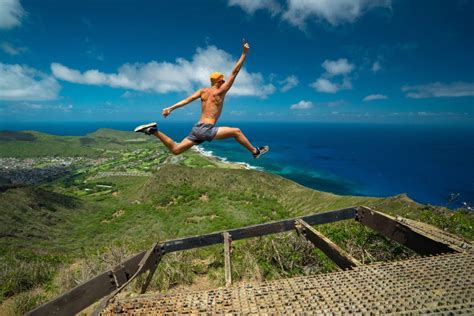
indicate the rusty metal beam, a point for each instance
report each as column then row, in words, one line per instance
column 90, row 291
column 330, row 249
column 153, row 257
column 400, row 232
column 228, row 269
column 257, row 230
column 112, row 280
column 149, row 263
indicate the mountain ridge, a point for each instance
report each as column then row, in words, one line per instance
column 121, row 197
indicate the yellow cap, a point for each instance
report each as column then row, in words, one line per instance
column 215, row 76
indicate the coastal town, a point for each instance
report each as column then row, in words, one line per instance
column 126, row 163
column 41, row 169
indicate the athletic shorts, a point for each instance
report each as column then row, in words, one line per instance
column 202, row 132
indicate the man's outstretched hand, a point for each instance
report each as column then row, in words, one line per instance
column 166, row 112
column 246, row 46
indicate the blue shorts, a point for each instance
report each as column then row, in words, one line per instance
column 202, row 132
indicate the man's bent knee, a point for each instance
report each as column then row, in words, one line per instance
column 176, row 151
column 237, row 132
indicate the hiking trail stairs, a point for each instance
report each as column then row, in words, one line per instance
column 437, row 284
column 440, row 281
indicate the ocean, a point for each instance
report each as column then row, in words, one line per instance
column 429, row 163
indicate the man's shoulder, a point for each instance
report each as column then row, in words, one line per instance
column 204, row 92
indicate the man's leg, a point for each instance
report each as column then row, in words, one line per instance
column 235, row 132
column 176, row 149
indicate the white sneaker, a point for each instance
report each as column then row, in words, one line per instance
column 148, row 129
column 260, row 151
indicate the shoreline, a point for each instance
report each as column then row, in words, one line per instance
column 325, row 156
column 243, row 165
column 210, row 155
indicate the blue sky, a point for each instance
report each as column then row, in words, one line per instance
column 340, row 60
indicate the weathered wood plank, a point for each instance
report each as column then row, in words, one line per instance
column 228, row 270
column 400, row 232
column 330, row 249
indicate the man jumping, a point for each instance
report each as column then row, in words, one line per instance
column 212, row 101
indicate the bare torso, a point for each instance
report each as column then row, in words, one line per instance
column 212, row 102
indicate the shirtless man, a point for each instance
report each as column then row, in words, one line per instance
column 212, row 101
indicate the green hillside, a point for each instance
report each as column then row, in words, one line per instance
column 36, row 144
column 128, row 192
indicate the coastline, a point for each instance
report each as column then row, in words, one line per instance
column 368, row 157
column 222, row 160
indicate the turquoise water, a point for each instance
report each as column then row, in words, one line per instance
column 429, row 163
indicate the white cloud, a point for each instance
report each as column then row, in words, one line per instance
column 238, row 113
column 438, row 89
column 250, row 6
column 373, row 97
column 429, row 114
column 302, row 105
column 129, row 94
column 324, row 85
column 31, row 109
column 337, row 67
column 164, row 77
column 63, row 108
column 289, row 83
column 11, row 50
column 349, row 115
column 334, row 103
column 376, row 67
column 328, row 86
column 334, row 68
column 333, row 11
column 19, row 82
column 11, row 13
column 270, row 114
column 298, row 12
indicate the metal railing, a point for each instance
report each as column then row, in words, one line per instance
column 108, row 284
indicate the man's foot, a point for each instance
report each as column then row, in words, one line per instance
column 148, row 129
column 260, row 151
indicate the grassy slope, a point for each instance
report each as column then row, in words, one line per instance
column 56, row 240
column 36, row 144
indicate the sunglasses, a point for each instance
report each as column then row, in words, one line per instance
column 221, row 81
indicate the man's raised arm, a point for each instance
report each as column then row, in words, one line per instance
column 230, row 81
column 191, row 98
